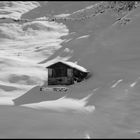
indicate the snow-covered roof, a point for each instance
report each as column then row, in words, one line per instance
column 71, row 64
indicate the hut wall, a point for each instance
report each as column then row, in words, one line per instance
column 60, row 74
column 60, row 81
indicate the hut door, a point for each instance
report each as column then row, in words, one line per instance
column 50, row 72
column 70, row 72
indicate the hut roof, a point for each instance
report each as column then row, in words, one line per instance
column 71, row 64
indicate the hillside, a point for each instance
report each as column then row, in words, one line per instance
column 101, row 36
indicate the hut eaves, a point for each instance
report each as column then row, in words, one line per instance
column 71, row 64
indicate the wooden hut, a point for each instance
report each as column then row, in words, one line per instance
column 65, row 73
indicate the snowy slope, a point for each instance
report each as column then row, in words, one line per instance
column 104, row 106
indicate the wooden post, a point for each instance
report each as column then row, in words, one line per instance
column 70, row 75
column 70, row 72
column 49, row 72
